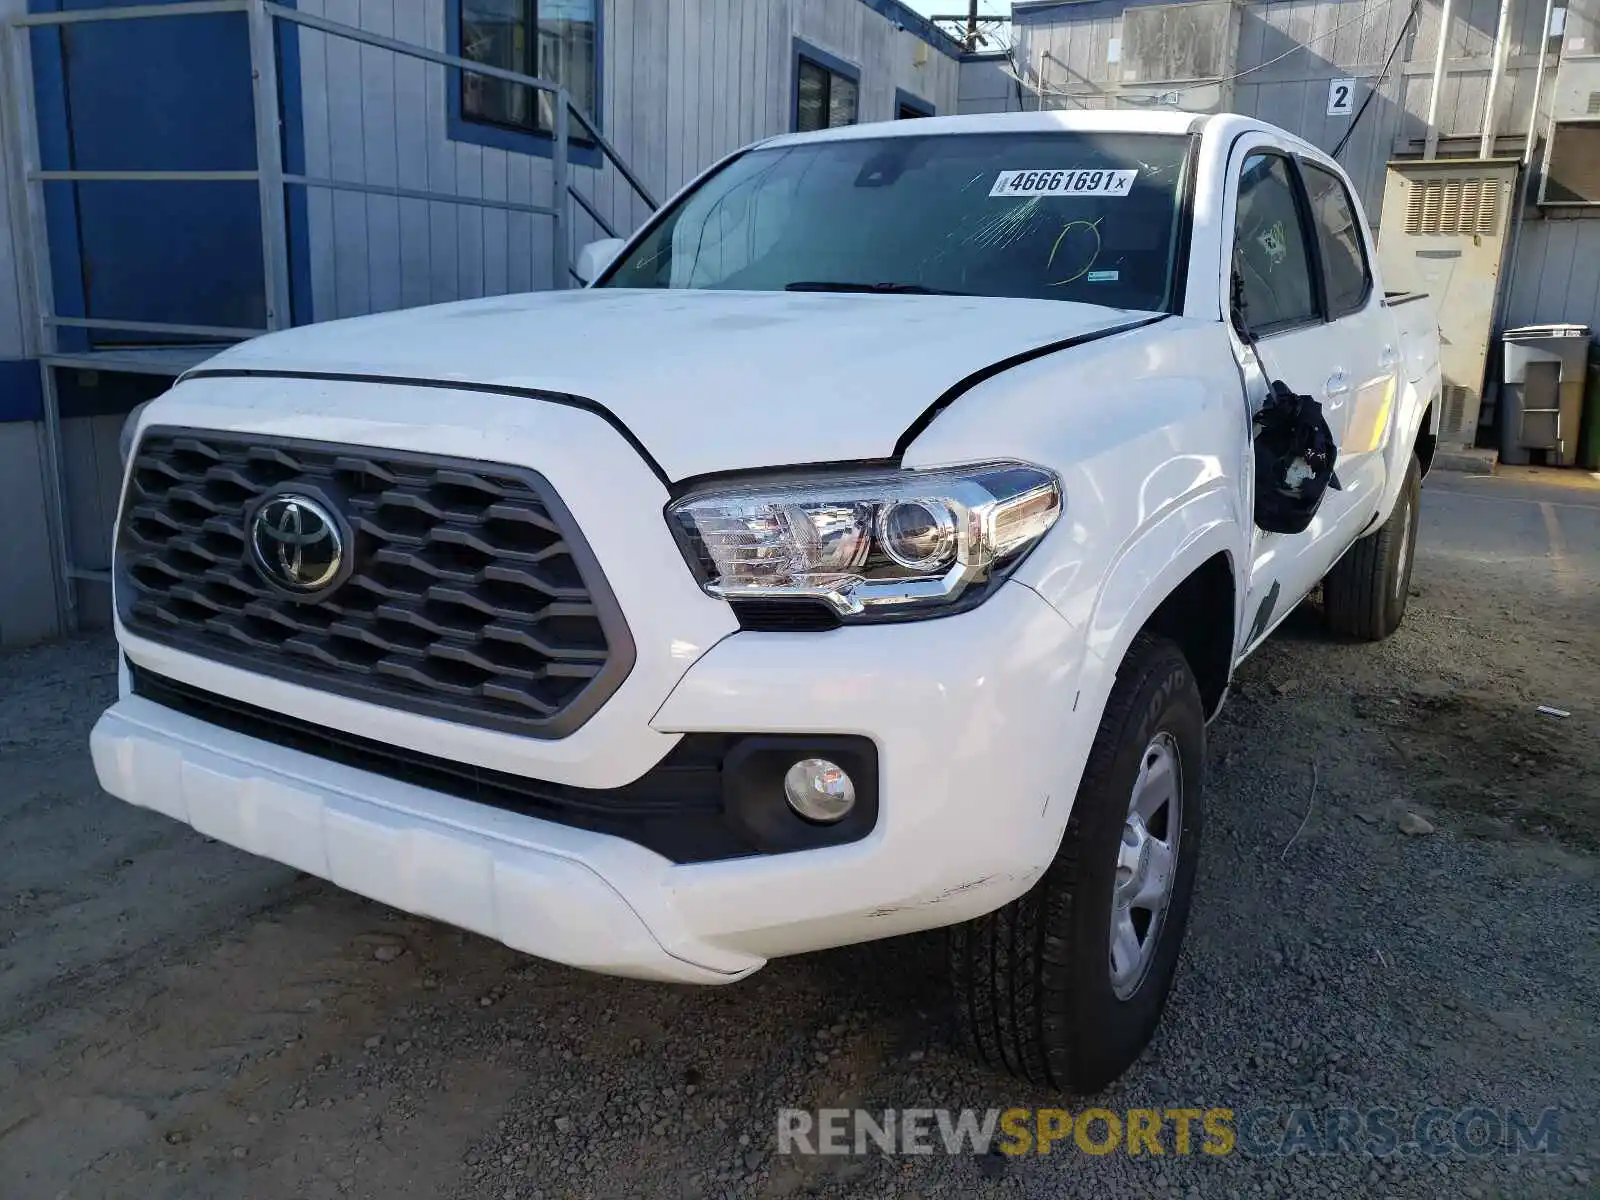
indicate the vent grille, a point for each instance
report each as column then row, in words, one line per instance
column 1594, row 104
column 1451, row 207
column 1454, row 419
column 470, row 596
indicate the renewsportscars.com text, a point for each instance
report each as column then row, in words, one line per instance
column 1259, row 1132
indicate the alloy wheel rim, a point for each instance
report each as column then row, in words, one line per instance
column 1147, row 864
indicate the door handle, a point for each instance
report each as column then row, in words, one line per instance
column 1387, row 359
column 1338, row 385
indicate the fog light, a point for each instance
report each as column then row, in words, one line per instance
column 819, row 790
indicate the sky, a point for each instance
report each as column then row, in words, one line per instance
column 989, row 8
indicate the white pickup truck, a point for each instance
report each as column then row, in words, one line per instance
column 863, row 551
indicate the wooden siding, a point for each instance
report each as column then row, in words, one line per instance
column 1336, row 39
column 1558, row 274
column 684, row 82
column 1070, row 56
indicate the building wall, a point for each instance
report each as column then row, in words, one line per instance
column 987, row 85
column 27, row 595
column 1557, row 278
column 683, row 83
column 12, row 341
column 1289, row 50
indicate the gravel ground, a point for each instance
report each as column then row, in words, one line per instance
column 177, row 1019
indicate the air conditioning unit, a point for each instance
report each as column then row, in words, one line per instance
column 1572, row 149
column 1443, row 232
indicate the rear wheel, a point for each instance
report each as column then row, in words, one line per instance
column 1064, row 986
column 1365, row 594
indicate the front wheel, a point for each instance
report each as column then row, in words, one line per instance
column 1365, row 594
column 1065, row 985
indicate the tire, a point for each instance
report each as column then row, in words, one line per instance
column 1364, row 596
column 1033, row 982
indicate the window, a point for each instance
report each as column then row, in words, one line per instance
column 1094, row 219
column 1271, row 258
column 826, row 90
column 552, row 39
column 908, row 106
column 1344, row 257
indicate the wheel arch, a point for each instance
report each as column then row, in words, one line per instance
column 1188, row 588
column 1427, row 440
column 1199, row 615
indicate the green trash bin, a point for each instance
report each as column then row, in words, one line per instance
column 1589, row 437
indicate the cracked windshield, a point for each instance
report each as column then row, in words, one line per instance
column 1058, row 216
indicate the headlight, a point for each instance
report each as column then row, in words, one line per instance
column 875, row 546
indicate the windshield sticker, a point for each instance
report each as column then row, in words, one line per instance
column 1104, row 276
column 1063, row 183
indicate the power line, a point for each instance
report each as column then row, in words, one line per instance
column 1306, row 45
column 1041, row 89
column 1382, row 75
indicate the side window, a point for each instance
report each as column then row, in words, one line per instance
column 1271, row 257
column 826, row 90
column 550, row 39
column 1344, row 258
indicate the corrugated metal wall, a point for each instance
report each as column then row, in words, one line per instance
column 684, row 82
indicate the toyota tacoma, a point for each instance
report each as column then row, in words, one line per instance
column 863, row 550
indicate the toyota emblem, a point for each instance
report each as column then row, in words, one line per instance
column 295, row 543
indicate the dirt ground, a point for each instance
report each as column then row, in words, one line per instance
column 178, row 1019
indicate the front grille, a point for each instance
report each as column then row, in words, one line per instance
column 469, row 595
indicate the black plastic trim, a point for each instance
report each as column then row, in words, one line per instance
column 753, row 796
column 785, row 616
column 621, row 651
column 1183, row 229
column 710, row 799
column 566, row 399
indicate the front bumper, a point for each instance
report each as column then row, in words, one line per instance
column 980, row 750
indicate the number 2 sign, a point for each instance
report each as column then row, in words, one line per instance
column 1341, row 97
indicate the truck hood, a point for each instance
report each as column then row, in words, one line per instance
column 705, row 381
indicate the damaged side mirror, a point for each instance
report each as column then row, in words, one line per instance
column 1294, row 447
column 1295, row 459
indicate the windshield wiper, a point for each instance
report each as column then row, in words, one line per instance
column 898, row 289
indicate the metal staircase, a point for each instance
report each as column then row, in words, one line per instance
column 267, row 23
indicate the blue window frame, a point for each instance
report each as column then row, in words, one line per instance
column 558, row 40
column 827, row 90
column 909, row 104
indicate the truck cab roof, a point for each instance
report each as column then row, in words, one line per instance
column 1165, row 121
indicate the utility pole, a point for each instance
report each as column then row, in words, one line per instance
column 971, row 38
